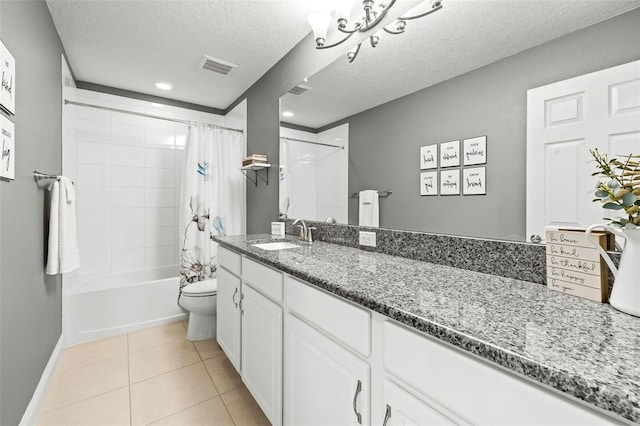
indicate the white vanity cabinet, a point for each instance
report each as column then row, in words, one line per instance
column 228, row 305
column 402, row 408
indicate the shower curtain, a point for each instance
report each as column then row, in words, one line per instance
column 212, row 198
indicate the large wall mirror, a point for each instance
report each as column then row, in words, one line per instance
column 457, row 74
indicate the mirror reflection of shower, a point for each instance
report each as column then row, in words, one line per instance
column 313, row 174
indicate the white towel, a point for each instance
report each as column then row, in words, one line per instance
column 369, row 211
column 63, row 254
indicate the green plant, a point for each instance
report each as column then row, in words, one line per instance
column 622, row 189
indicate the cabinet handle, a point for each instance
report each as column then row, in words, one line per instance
column 355, row 400
column 387, row 415
column 233, row 298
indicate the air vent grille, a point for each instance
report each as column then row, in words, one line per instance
column 216, row 65
column 299, row 89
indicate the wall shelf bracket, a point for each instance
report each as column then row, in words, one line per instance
column 256, row 169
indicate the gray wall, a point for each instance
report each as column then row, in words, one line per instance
column 384, row 142
column 30, row 302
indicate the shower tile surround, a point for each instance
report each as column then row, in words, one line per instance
column 582, row 348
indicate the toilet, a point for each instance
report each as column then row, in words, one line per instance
column 200, row 300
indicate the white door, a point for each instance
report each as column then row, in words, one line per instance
column 325, row 384
column 404, row 409
column 228, row 315
column 566, row 119
column 262, row 351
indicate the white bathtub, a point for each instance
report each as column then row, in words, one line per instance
column 95, row 307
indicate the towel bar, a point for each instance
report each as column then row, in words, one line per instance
column 382, row 194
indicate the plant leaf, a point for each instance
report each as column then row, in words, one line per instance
column 612, row 206
column 629, row 199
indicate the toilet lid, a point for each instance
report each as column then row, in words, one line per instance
column 201, row 288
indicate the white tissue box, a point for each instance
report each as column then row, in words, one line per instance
column 277, row 229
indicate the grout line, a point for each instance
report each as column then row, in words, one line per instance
column 224, row 404
column 129, row 383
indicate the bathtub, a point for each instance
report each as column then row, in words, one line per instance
column 95, row 307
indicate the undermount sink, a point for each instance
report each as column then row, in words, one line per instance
column 279, row 245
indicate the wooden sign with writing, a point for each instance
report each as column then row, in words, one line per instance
column 574, row 265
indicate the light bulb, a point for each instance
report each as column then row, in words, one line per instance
column 343, row 12
column 163, row 85
column 319, row 22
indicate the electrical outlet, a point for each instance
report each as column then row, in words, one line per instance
column 367, row 239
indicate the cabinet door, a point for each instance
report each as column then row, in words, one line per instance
column 228, row 316
column 262, row 351
column 325, row 384
column 403, row 409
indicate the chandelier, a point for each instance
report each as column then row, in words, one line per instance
column 373, row 11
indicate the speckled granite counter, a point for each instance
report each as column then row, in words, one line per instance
column 585, row 349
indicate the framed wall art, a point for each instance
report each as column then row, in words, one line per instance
column 474, row 181
column 450, row 154
column 429, row 183
column 429, row 157
column 8, row 72
column 450, row 182
column 7, row 154
column 474, row 151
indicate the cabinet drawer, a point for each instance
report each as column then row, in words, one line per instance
column 347, row 323
column 229, row 260
column 264, row 279
column 473, row 389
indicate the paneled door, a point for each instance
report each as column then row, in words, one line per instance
column 566, row 119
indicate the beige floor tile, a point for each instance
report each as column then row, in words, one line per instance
column 156, row 336
column 208, row 348
column 78, row 384
column 170, row 393
column 243, row 408
column 211, row 412
column 224, row 376
column 92, row 352
column 108, row 409
column 161, row 359
column 185, row 324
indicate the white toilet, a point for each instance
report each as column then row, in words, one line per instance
column 200, row 300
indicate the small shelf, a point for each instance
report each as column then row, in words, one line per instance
column 256, row 168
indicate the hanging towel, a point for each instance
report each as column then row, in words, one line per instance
column 369, row 211
column 63, row 254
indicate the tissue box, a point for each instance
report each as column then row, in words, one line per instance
column 277, row 229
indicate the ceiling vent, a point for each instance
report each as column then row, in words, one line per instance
column 216, row 65
column 299, row 89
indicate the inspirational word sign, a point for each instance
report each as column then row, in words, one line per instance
column 475, row 151
column 8, row 73
column 450, row 182
column 450, row 154
column 7, row 148
column 429, row 157
column 574, row 265
column 474, row 181
column 429, row 183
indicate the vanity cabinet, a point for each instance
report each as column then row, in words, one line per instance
column 228, row 305
column 325, row 384
column 402, row 408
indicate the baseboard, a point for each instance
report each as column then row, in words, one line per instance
column 33, row 409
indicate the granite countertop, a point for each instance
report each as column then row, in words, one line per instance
column 582, row 348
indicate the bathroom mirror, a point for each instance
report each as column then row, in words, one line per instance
column 460, row 73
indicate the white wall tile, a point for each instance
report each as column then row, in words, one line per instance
column 160, row 158
column 160, row 256
column 127, row 197
column 98, row 262
column 93, row 196
column 93, row 217
column 127, row 176
column 122, row 155
column 158, row 217
column 160, row 178
column 154, row 123
column 90, row 240
column 126, row 260
column 127, row 217
column 160, row 197
column 128, row 119
column 94, row 153
column 94, row 114
column 158, row 237
column 127, row 238
column 94, row 175
column 93, row 131
column 124, row 134
column 160, row 138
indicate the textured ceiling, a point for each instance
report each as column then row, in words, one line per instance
column 463, row 36
column 131, row 44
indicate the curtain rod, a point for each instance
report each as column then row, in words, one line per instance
column 141, row 114
column 315, row 143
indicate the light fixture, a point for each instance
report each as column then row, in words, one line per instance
column 373, row 11
column 162, row 85
column 287, row 114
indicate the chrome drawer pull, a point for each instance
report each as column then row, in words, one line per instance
column 233, row 298
column 387, row 415
column 355, row 399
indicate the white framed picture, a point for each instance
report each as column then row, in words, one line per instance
column 474, row 181
column 450, row 154
column 8, row 72
column 450, row 182
column 429, row 183
column 474, row 151
column 429, row 157
column 7, row 155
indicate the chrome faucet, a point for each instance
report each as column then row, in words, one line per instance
column 305, row 232
column 330, row 219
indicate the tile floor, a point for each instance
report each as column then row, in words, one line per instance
column 153, row 376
